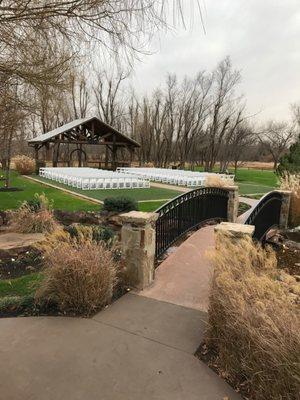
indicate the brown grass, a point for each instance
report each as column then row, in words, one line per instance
column 292, row 182
column 215, row 180
column 28, row 220
column 254, row 322
column 80, row 274
column 24, row 165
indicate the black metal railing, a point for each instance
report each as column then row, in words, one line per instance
column 187, row 212
column 266, row 215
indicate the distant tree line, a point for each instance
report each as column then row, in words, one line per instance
column 46, row 81
column 201, row 120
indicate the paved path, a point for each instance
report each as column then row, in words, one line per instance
column 136, row 349
column 139, row 348
column 183, row 278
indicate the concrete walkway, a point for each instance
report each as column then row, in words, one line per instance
column 184, row 277
column 138, row 348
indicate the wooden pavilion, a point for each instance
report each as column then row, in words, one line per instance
column 80, row 133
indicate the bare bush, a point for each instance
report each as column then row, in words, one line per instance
column 254, row 320
column 24, row 165
column 34, row 216
column 80, row 274
column 292, row 182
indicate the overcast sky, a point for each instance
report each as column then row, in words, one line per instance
column 262, row 38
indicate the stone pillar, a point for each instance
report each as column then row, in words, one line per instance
column 234, row 231
column 285, row 208
column 138, row 247
column 233, row 203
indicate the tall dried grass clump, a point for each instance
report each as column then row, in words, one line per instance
column 292, row 182
column 217, row 181
column 24, row 165
column 34, row 216
column 254, row 320
column 80, row 274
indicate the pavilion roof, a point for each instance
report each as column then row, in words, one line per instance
column 96, row 128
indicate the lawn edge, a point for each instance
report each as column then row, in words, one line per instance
column 82, row 196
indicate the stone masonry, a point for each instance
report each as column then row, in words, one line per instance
column 138, row 246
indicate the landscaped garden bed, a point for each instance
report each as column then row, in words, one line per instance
column 253, row 334
column 73, row 265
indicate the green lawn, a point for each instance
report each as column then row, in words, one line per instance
column 63, row 201
column 250, row 182
column 153, row 193
column 260, row 177
column 150, row 205
column 23, row 286
column 253, row 181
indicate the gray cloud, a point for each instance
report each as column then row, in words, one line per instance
column 262, row 38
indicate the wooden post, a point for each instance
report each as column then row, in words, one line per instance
column 114, row 154
column 106, row 157
column 131, row 150
column 36, row 157
column 55, row 154
column 80, row 156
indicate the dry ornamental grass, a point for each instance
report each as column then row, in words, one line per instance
column 254, row 320
column 292, row 182
column 34, row 217
column 217, row 181
column 80, row 274
column 24, row 165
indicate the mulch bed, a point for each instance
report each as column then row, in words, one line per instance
column 287, row 247
column 210, row 357
column 14, row 264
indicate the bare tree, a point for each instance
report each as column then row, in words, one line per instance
column 276, row 138
column 226, row 112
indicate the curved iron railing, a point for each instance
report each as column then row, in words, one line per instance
column 266, row 215
column 188, row 211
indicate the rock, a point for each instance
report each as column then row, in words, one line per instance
column 79, row 217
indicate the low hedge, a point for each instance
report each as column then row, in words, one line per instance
column 119, row 204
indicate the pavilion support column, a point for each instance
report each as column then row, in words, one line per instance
column 80, row 156
column 48, row 154
column 114, row 154
column 36, row 157
column 106, row 157
column 131, row 151
column 55, row 154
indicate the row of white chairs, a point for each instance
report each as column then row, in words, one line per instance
column 174, row 177
column 93, row 179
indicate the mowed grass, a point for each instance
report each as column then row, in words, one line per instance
column 23, row 286
column 153, row 193
column 150, row 206
column 253, row 181
column 61, row 200
column 67, row 202
column 260, row 177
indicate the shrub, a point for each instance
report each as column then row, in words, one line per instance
column 254, row 320
column 120, row 204
column 290, row 162
column 80, row 274
column 95, row 233
column 24, row 165
column 292, row 183
column 34, row 216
